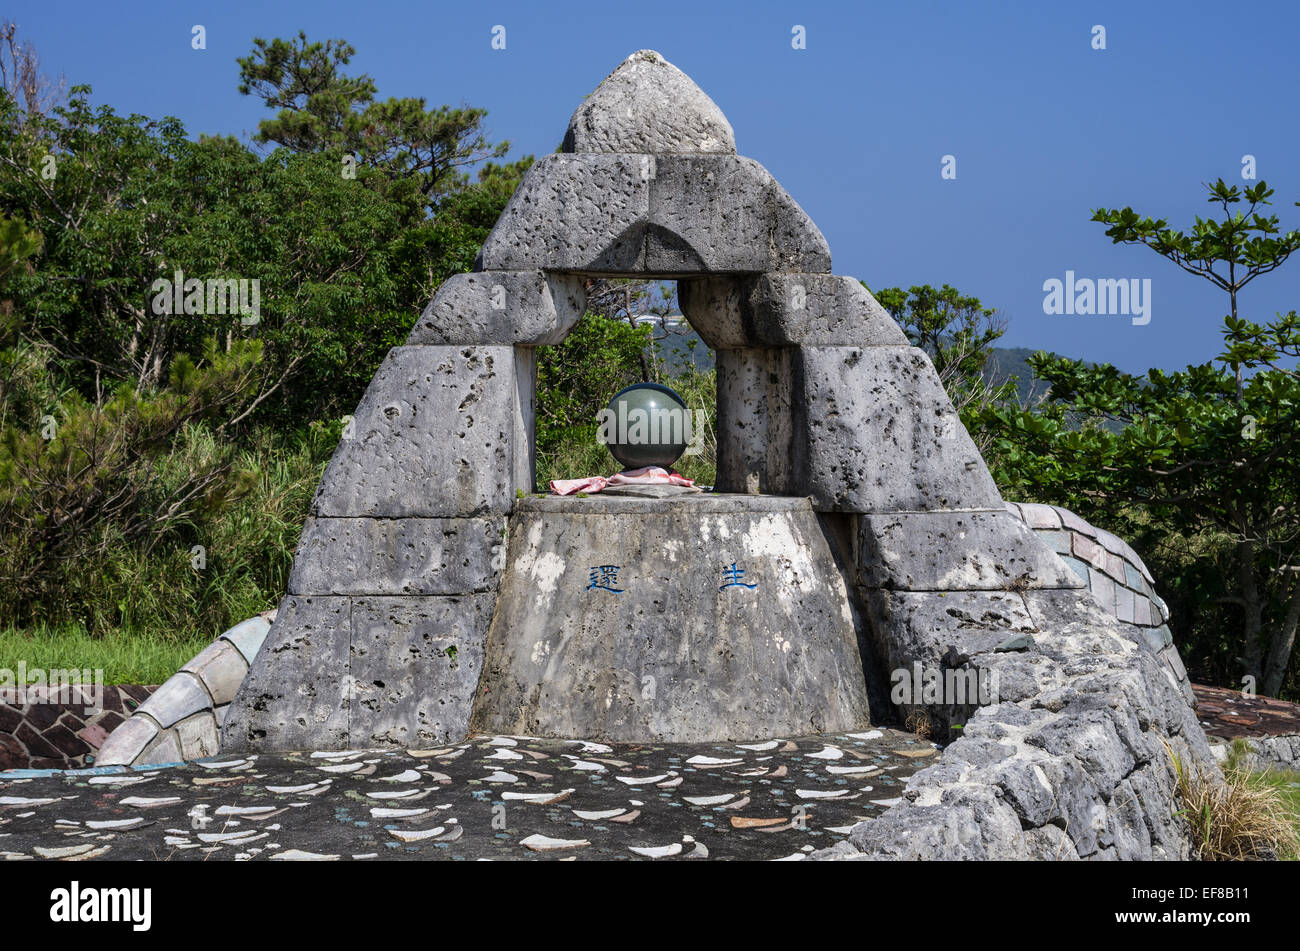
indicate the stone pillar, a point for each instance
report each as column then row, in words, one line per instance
column 753, row 421
column 875, row 432
column 380, row 639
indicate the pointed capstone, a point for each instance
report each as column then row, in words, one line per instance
column 648, row 105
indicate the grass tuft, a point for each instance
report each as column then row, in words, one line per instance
column 1243, row 816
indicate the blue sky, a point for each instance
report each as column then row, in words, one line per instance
column 1043, row 127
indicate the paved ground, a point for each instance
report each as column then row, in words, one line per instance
column 491, row 797
column 1230, row 714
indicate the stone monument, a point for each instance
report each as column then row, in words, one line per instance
column 854, row 528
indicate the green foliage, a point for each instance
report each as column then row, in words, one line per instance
column 125, row 657
column 85, row 475
column 1243, row 240
column 17, row 244
column 344, row 269
column 1207, row 456
column 699, row 388
column 418, row 150
column 248, row 542
column 575, row 380
column 1237, row 815
column 604, row 353
column 316, row 102
column 130, row 434
column 113, row 546
column 956, row 330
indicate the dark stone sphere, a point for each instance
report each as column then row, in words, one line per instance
column 648, row 424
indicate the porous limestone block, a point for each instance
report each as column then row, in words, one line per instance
column 939, row 628
column 523, row 410
column 786, row 309
column 648, row 105
column 440, row 431
column 725, row 213
column 717, row 307
column 820, row 310
column 957, row 551
column 357, row 673
column 754, row 422
column 874, row 431
column 297, row 695
column 574, row 213
column 664, row 214
column 530, row 308
column 415, row 665
column 798, row 243
column 397, row 556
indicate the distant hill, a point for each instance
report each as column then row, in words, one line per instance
column 1012, row 363
column 682, row 346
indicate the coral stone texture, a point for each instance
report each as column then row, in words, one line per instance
column 874, row 431
column 854, row 531
column 532, row 308
column 648, row 105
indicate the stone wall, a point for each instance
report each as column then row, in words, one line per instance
column 820, row 397
column 1074, row 762
column 401, row 556
column 1074, row 756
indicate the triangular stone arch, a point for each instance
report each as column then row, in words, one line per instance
column 819, row 396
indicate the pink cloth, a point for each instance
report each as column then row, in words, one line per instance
column 649, row 475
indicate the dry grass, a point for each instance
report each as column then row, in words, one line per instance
column 918, row 723
column 1238, row 818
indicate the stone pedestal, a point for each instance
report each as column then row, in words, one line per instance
column 676, row 620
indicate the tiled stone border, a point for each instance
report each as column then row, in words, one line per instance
column 183, row 717
column 47, row 733
column 1114, row 574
